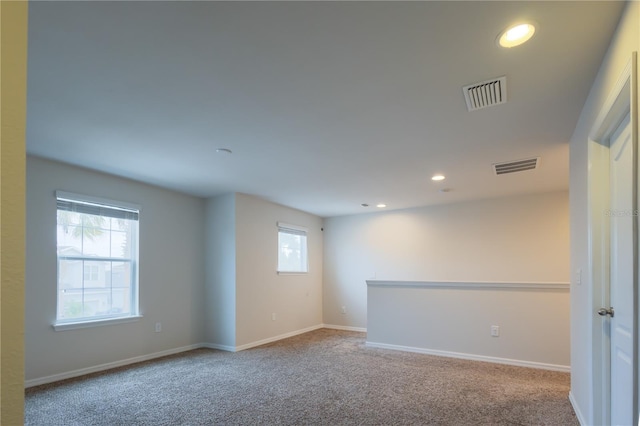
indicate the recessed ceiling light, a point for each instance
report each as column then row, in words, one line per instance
column 381, row 206
column 437, row 177
column 223, row 151
column 516, row 34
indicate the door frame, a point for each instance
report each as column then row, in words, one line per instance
column 622, row 100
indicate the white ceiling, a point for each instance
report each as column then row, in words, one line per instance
column 325, row 105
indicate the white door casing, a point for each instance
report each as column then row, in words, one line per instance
column 613, row 256
column 621, row 217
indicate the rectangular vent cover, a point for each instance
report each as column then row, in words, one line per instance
column 516, row 166
column 486, row 93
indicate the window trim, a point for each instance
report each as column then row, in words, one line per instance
column 63, row 326
column 134, row 315
column 297, row 230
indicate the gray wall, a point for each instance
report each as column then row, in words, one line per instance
column 295, row 299
column 220, row 265
column 584, row 322
column 514, row 239
column 455, row 319
column 207, row 273
column 208, row 267
column 171, row 273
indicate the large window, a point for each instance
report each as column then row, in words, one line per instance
column 292, row 249
column 97, row 259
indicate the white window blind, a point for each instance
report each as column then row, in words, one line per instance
column 95, row 206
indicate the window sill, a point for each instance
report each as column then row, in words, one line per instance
column 96, row 323
column 291, row 273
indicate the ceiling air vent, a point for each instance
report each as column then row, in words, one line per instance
column 486, row 93
column 516, row 166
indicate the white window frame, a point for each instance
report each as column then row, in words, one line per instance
column 134, row 210
column 294, row 230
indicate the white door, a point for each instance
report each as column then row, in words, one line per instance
column 622, row 215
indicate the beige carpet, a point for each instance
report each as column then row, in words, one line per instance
column 325, row 377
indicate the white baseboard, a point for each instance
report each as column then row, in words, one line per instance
column 472, row 357
column 110, row 365
column 107, row 366
column 120, row 363
column 345, row 327
column 576, row 409
column 218, row 347
column 279, row 337
column 276, row 338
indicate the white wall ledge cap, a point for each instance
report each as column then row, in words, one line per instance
column 469, row 284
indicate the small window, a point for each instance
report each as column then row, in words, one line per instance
column 97, row 243
column 292, row 249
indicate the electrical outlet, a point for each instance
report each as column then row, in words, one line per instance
column 578, row 276
column 273, row 316
column 495, row 331
column 343, row 310
column 158, row 327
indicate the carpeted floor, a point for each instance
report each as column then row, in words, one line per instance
column 325, row 377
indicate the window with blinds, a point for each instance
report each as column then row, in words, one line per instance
column 97, row 242
column 292, row 249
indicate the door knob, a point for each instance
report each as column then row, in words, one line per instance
column 603, row 312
